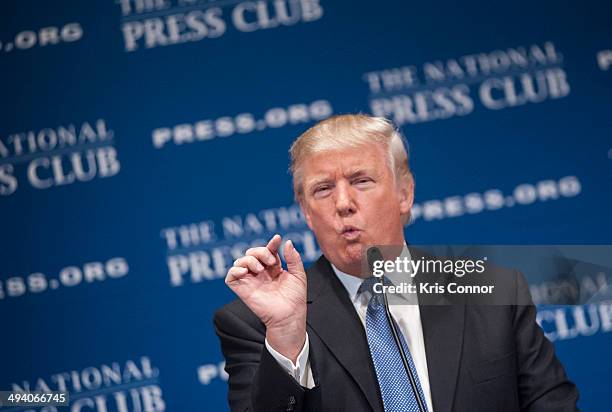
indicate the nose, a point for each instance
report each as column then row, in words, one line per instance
column 345, row 204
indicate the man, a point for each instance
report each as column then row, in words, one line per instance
column 314, row 340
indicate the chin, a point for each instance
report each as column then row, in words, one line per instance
column 354, row 253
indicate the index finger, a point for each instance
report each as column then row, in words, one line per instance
column 263, row 254
column 274, row 244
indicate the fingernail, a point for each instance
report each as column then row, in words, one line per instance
column 259, row 267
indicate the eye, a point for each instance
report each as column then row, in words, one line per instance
column 321, row 190
column 362, row 181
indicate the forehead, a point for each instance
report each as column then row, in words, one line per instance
column 369, row 157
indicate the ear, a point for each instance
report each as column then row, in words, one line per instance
column 406, row 194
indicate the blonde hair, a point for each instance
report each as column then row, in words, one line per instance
column 349, row 131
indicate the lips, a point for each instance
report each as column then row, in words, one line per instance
column 350, row 232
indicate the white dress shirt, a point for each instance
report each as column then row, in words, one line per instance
column 406, row 315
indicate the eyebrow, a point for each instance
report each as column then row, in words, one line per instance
column 357, row 172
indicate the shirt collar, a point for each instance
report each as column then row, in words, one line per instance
column 352, row 283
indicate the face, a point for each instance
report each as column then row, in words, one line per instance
column 351, row 201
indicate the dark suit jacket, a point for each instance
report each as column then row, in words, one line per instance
column 479, row 358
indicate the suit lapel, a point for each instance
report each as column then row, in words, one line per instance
column 332, row 316
column 443, row 334
column 442, row 320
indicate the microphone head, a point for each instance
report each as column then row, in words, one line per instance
column 373, row 255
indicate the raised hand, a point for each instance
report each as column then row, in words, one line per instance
column 277, row 296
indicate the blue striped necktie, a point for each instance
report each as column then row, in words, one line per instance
column 397, row 394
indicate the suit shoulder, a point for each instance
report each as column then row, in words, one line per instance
column 511, row 283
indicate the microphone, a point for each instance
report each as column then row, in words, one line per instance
column 374, row 254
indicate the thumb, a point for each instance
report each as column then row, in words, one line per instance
column 293, row 259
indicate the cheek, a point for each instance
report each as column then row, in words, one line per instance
column 384, row 202
column 321, row 223
column 384, row 212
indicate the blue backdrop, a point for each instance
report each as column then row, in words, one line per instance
column 143, row 147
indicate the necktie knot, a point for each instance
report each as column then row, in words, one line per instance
column 368, row 286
